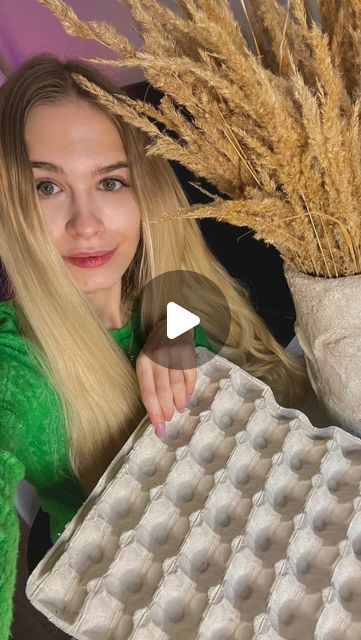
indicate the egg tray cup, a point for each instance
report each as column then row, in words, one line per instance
column 243, row 523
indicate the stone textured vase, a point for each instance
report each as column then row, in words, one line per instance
column 328, row 327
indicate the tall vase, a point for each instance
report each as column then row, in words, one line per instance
column 328, row 327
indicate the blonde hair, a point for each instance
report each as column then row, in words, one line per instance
column 97, row 386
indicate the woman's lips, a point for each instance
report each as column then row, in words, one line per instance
column 91, row 261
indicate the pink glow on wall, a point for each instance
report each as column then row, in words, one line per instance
column 28, row 28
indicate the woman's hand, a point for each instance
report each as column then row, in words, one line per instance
column 167, row 385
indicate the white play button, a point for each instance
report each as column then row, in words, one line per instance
column 188, row 291
column 179, row 320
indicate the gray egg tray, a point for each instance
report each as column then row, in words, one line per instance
column 243, row 523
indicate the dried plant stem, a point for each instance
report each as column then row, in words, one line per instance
column 284, row 36
column 317, row 236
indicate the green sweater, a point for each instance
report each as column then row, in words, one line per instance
column 33, row 443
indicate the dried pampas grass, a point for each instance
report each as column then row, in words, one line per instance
column 270, row 117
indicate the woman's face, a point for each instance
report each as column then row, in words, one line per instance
column 87, row 205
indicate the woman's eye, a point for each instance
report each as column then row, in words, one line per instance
column 46, row 188
column 110, row 184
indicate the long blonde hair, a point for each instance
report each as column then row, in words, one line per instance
column 97, row 386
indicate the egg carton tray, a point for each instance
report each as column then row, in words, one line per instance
column 243, row 522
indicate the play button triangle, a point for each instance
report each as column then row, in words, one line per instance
column 179, row 320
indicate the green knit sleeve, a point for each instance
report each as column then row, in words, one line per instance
column 200, row 338
column 11, row 471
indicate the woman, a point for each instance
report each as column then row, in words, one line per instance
column 74, row 377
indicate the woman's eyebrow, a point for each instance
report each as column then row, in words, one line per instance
column 49, row 166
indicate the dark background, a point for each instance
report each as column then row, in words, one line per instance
column 252, row 262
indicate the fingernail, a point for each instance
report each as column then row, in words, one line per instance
column 160, row 429
column 188, row 397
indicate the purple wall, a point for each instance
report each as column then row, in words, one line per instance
column 27, row 28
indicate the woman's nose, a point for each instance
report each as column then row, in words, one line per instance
column 84, row 218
